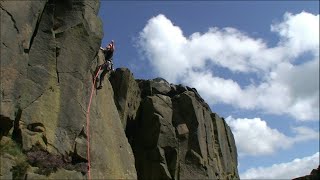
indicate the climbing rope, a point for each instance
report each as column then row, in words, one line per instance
column 88, row 125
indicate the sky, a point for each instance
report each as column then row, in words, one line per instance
column 256, row 63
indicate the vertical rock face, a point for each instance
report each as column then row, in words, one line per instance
column 49, row 50
column 127, row 96
column 174, row 134
column 314, row 174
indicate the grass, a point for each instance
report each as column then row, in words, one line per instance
column 21, row 164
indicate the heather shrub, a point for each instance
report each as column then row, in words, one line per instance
column 46, row 162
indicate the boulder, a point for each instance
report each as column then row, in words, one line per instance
column 160, row 86
column 154, row 86
column 182, row 130
column 175, row 135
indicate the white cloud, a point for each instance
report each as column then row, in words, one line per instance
column 304, row 133
column 284, row 88
column 303, row 84
column 295, row 168
column 164, row 46
column 255, row 137
column 299, row 32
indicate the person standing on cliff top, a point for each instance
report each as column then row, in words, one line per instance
column 107, row 65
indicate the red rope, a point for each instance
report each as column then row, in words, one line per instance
column 88, row 125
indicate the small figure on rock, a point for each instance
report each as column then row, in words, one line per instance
column 107, row 65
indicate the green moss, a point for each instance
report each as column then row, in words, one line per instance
column 21, row 164
column 10, row 147
column 20, row 170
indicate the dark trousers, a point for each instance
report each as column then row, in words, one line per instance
column 106, row 67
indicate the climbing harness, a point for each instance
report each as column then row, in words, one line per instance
column 108, row 65
column 88, row 125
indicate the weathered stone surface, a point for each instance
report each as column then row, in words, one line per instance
column 205, row 148
column 5, row 125
column 226, row 147
column 232, row 146
column 182, row 130
column 156, row 122
column 314, row 174
column 154, row 86
column 7, row 163
column 156, row 143
column 160, row 86
column 65, row 174
column 193, row 150
column 80, row 147
column 48, row 54
column 17, row 32
column 13, row 163
column 32, row 175
column 126, row 94
column 176, row 90
column 111, row 154
column 59, row 174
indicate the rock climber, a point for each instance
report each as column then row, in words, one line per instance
column 107, row 65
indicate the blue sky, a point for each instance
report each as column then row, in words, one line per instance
column 255, row 63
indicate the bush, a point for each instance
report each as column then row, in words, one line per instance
column 46, row 162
